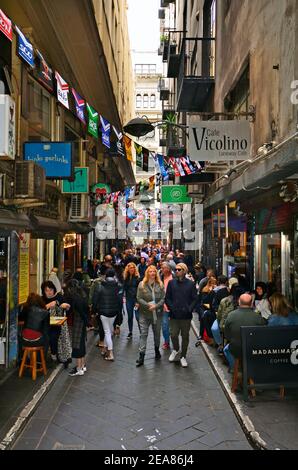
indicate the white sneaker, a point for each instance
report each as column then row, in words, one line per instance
column 183, row 362
column 75, row 372
column 174, row 356
column 85, row 368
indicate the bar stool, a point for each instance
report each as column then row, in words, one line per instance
column 32, row 352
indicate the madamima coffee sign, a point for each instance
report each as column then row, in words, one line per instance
column 216, row 141
column 270, row 355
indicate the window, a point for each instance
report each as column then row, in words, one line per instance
column 152, row 101
column 146, row 101
column 145, row 69
column 138, row 101
column 238, row 98
column 36, row 108
column 72, row 133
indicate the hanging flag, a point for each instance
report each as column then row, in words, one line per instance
column 62, row 90
column 80, row 106
column 139, row 154
column 106, row 132
column 186, row 166
column 154, row 156
column 163, row 171
column 25, row 48
column 44, row 72
column 189, row 164
column 120, row 145
column 127, row 145
column 173, row 164
column 152, row 183
column 145, row 159
column 180, row 167
column 92, row 121
column 5, row 25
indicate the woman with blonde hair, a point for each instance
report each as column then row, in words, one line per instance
column 282, row 312
column 150, row 297
column 131, row 278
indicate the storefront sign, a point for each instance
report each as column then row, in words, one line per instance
column 44, row 73
column 54, row 157
column 25, row 48
column 62, row 90
column 7, row 127
column 80, row 106
column 5, row 25
column 175, row 195
column 215, row 141
column 92, row 121
column 24, row 267
column 80, row 185
column 3, row 256
column 106, row 131
column 270, row 356
column 98, row 192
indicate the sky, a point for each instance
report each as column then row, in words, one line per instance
column 143, row 24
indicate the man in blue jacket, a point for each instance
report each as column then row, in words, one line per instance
column 180, row 298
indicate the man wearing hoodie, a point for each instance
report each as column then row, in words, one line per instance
column 180, row 298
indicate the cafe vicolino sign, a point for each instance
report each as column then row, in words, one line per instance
column 215, row 141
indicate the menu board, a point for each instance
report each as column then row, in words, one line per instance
column 24, row 267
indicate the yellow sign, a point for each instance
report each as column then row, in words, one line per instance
column 24, row 267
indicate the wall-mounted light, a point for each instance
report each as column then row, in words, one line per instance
column 229, row 173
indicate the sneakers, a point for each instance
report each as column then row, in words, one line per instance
column 166, row 346
column 84, row 368
column 174, row 356
column 76, row 371
column 183, row 362
column 129, row 336
column 54, row 357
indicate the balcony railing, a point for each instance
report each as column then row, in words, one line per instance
column 196, row 77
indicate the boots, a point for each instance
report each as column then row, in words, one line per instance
column 140, row 361
column 157, row 354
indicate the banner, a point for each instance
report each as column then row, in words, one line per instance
column 127, row 145
column 25, row 49
column 163, row 171
column 215, row 141
column 44, row 73
column 106, row 132
column 120, row 144
column 180, row 167
column 5, row 25
column 92, row 121
column 145, row 159
column 174, row 166
column 139, row 154
column 62, row 90
column 186, row 166
column 80, row 106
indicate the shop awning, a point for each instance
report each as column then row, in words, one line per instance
column 43, row 227
column 10, row 220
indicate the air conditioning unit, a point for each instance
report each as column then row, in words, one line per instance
column 79, row 209
column 30, row 181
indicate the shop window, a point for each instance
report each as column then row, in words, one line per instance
column 238, row 98
column 36, row 109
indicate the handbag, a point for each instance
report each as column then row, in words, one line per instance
column 64, row 349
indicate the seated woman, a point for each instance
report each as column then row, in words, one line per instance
column 282, row 312
column 36, row 318
column 55, row 306
column 260, row 300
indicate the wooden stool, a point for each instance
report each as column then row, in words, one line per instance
column 33, row 361
column 236, row 379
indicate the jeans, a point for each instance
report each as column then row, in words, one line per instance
column 108, row 326
column 229, row 356
column 145, row 322
column 130, row 303
column 177, row 327
column 166, row 327
column 216, row 332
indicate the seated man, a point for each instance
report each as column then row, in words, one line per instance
column 243, row 316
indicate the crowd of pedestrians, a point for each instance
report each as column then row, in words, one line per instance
column 161, row 290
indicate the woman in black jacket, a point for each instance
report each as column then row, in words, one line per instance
column 36, row 323
column 107, row 300
column 77, row 298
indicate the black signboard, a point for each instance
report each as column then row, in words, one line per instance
column 270, row 357
column 3, row 253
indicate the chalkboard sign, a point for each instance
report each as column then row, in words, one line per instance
column 270, row 356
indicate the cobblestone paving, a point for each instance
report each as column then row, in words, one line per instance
column 116, row 406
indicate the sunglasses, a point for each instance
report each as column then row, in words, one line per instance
column 179, row 269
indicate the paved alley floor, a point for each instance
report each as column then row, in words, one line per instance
column 116, row 406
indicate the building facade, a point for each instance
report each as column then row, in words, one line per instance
column 44, row 223
column 236, row 60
